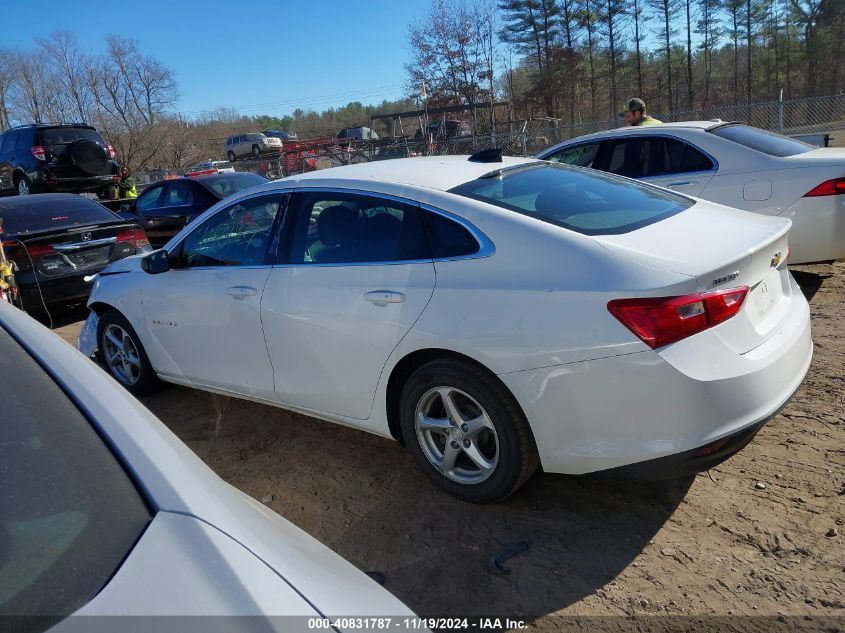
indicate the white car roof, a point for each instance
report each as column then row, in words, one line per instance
column 433, row 172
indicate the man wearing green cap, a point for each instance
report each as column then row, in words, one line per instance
column 634, row 113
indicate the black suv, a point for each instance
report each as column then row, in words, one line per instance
column 56, row 158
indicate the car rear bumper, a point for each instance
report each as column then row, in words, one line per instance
column 45, row 183
column 62, row 290
column 818, row 229
column 634, row 408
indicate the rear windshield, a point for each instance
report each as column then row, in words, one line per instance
column 583, row 200
column 32, row 217
column 232, row 183
column 67, row 135
column 762, row 141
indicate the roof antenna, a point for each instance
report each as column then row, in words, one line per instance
column 492, row 155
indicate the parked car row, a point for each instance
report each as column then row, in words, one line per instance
column 494, row 314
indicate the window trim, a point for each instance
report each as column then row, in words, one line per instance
column 486, row 248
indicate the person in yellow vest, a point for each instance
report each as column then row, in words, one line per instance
column 126, row 184
column 634, row 113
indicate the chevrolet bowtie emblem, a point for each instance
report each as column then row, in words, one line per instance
column 776, row 260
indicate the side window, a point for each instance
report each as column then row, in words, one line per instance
column 658, row 156
column 448, row 238
column 178, row 195
column 235, row 236
column 695, row 160
column 8, row 142
column 23, row 141
column 583, row 155
column 149, row 199
column 349, row 228
column 627, row 158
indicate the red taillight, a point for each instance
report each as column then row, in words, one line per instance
column 38, row 152
column 110, row 150
column 663, row 320
column 833, row 187
column 137, row 237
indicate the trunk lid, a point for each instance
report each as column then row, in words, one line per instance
column 721, row 248
column 82, row 249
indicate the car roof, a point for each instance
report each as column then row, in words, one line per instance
column 434, row 172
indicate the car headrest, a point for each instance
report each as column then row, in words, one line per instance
column 337, row 225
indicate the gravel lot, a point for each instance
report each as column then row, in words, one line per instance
column 760, row 535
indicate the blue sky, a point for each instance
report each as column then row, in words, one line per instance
column 258, row 57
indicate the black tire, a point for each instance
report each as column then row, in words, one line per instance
column 23, row 185
column 517, row 453
column 147, row 381
column 256, row 151
column 231, row 156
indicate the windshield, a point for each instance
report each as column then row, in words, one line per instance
column 66, row 135
column 762, row 141
column 583, row 200
column 226, row 185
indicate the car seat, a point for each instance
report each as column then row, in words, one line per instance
column 339, row 231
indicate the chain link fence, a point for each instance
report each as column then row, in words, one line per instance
column 800, row 116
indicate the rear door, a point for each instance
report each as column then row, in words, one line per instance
column 359, row 275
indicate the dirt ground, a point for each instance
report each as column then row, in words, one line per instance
column 760, row 535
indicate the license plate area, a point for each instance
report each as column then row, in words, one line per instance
column 90, row 257
column 764, row 296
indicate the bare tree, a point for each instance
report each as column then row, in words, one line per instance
column 69, row 65
column 446, row 53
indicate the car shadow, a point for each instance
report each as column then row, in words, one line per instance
column 555, row 541
column 809, row 282
column 59, row 315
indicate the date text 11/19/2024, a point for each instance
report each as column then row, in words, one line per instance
column 415, row 624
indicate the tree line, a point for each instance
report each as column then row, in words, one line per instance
column 578, row 60
column 571, row 60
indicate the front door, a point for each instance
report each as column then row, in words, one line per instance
column 205, row 311
column 360, row 275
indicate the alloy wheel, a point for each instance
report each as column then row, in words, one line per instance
column 121, row 355
column 456, row 435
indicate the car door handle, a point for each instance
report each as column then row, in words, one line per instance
column 683, row 183
column 383, row 297
column 240, row 292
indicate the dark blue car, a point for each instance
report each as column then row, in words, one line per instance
column 165, row 207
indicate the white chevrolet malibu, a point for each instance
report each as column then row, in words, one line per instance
column 733, row 164
column 104, row 512
column 492, row 314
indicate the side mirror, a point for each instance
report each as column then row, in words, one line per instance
column 156, row 262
